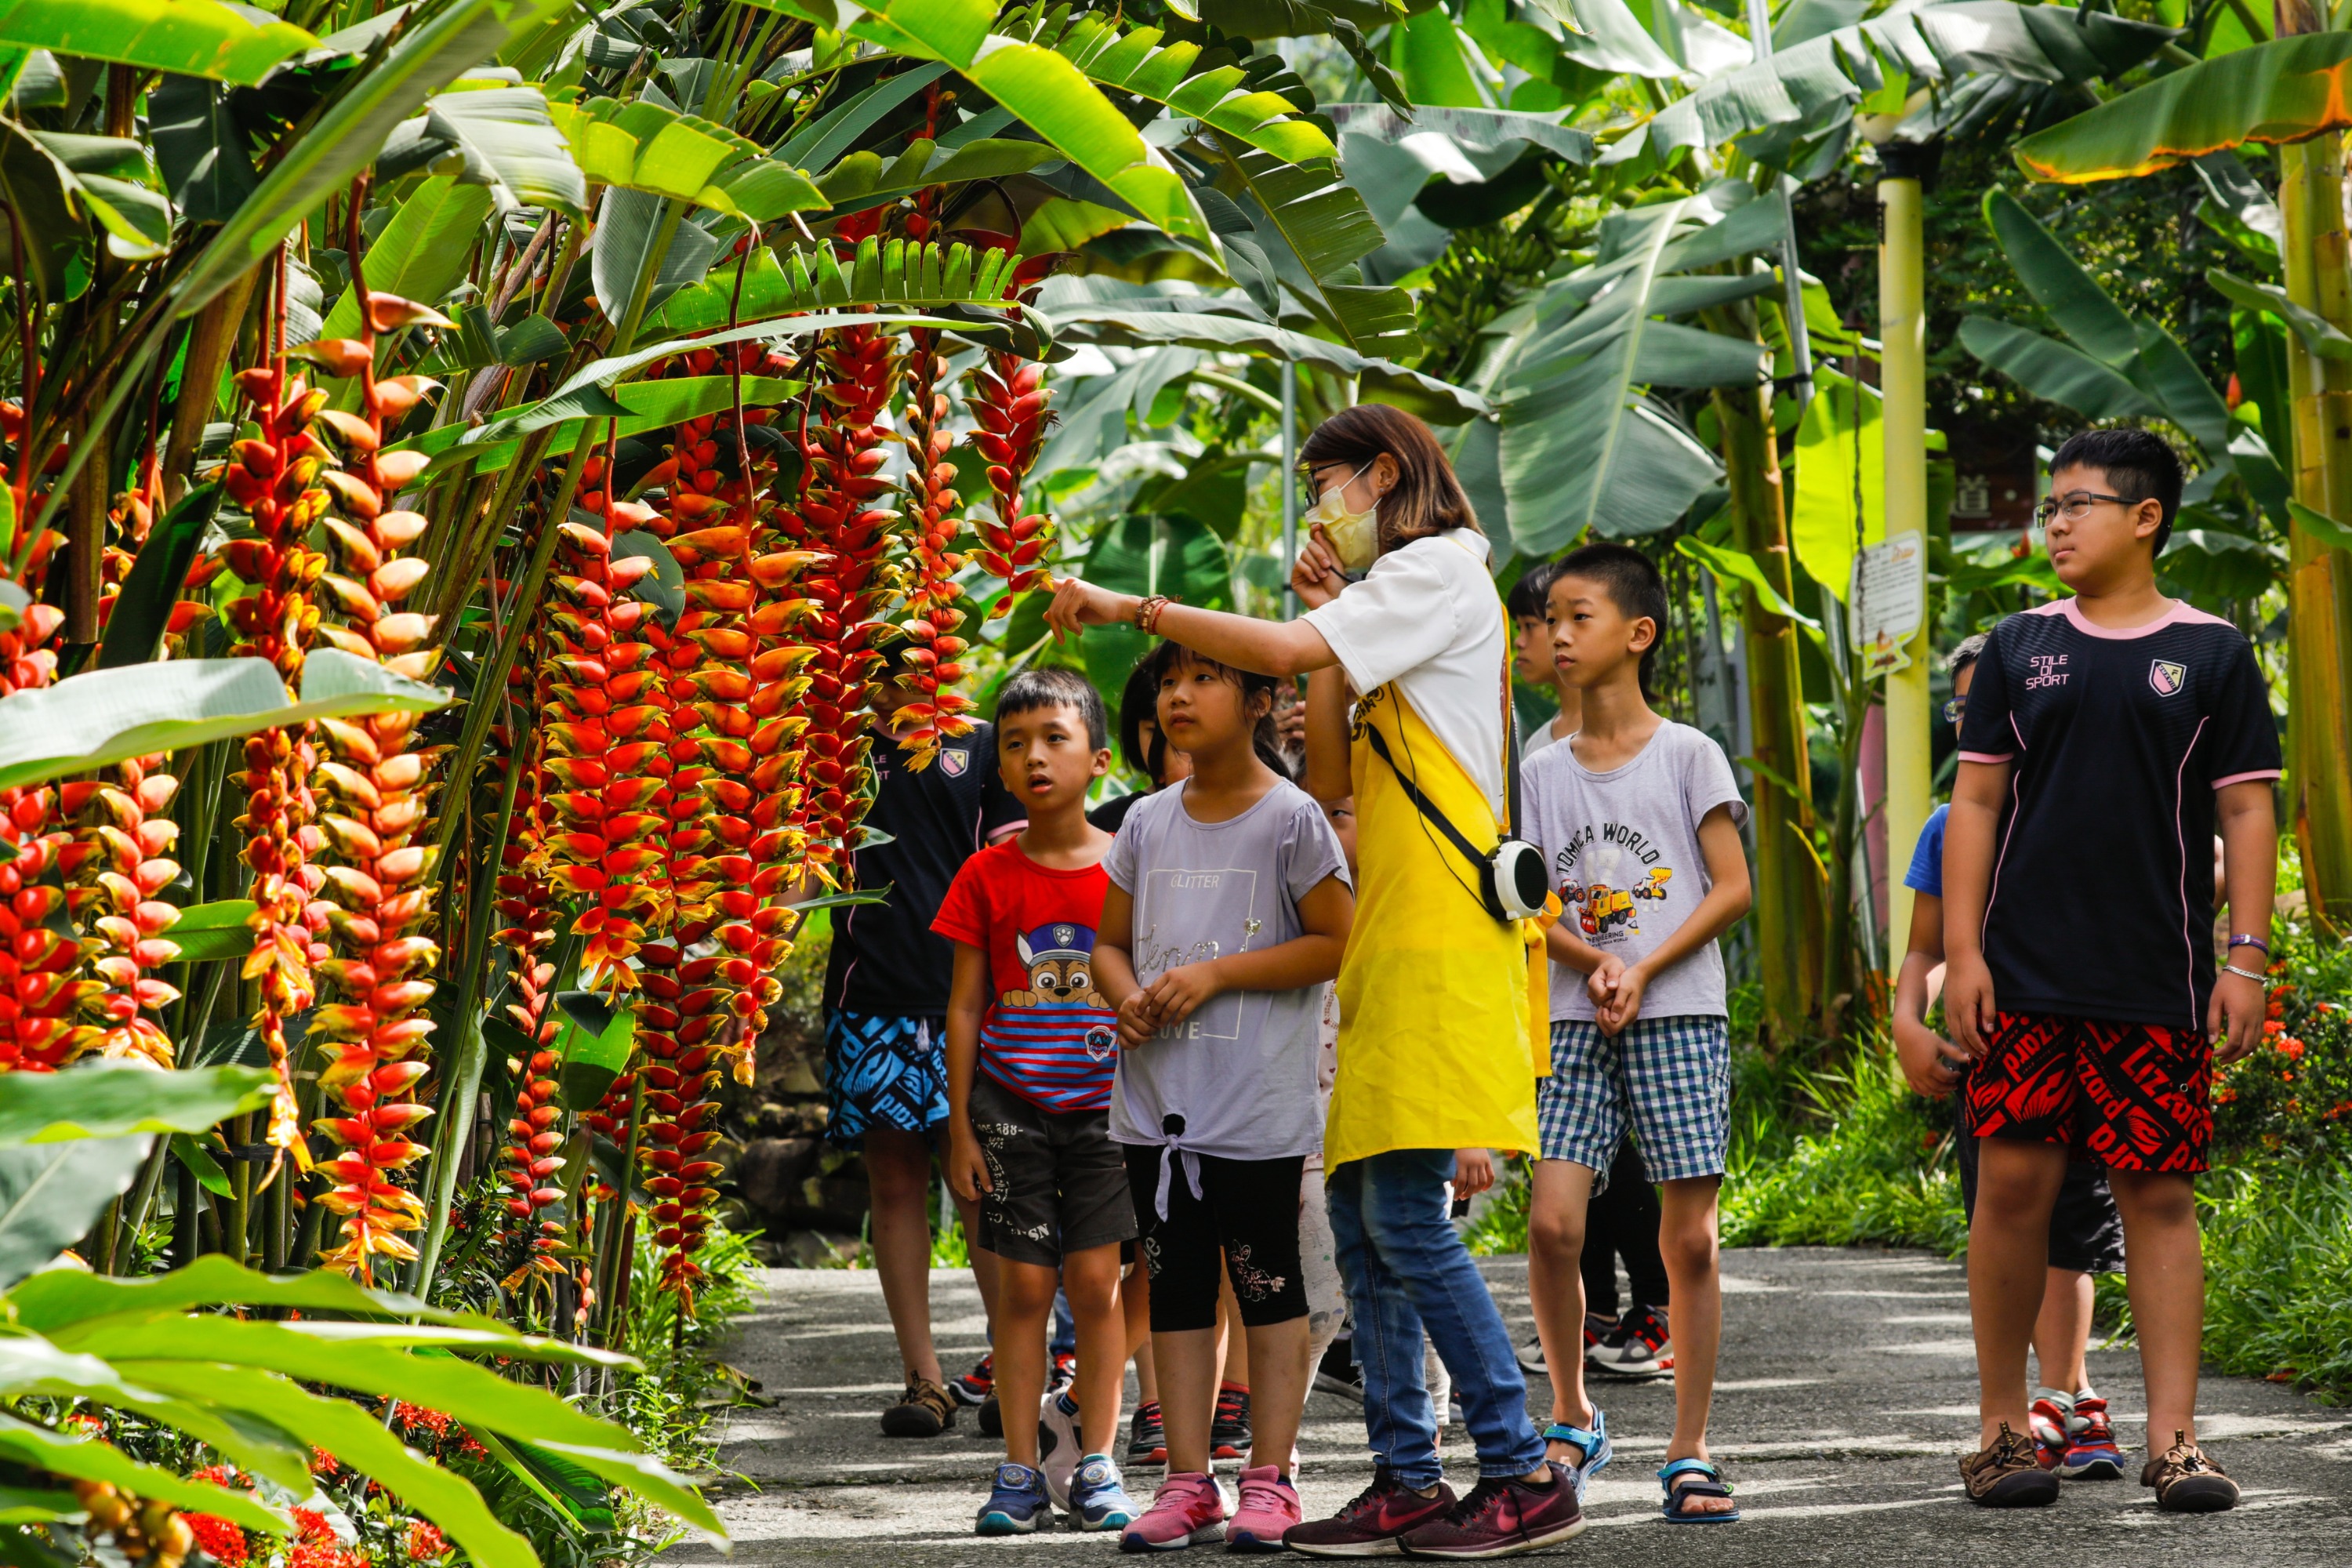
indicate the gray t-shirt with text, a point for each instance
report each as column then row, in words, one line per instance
column 1240, row 1072
column 1623, row 848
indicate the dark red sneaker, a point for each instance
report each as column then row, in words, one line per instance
column 1372, row 1523
column 1502, row 1519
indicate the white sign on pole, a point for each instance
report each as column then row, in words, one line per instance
column 1889, row 600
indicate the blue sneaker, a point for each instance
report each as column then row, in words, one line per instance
column 1593, row 1451
column 1099, row 1498
column 1017, row 1504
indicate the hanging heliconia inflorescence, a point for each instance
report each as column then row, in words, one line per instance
column 115, row 872
column 272, row 475
column 1008, row 406
column 375, row 900
column 931, row 589
column 527, row 902
column 840, row 516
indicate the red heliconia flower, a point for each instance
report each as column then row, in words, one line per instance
column 840, row 515
column 272, row 475
column 601, row 730
column 41, row 988
column 525, row 899
column 376, row 906
column 114, row 872
column 1009, row 405
column 931, row 616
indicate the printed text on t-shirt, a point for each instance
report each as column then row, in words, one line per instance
column 2049, row 669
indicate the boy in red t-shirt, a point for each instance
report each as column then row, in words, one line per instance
column 1029, row 1056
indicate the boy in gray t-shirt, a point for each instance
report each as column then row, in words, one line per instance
column 1640, row 819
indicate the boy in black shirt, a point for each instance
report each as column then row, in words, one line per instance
column 885, row 999
column 2108, row 736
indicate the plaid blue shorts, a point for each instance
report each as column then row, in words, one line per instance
column 1668, row 1081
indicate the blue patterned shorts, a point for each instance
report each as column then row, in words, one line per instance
column 1668, row 1081
column 884, row 1071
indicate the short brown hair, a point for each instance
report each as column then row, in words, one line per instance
column 1426, row 498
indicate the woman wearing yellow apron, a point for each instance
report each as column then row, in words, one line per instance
column 1435, row 1051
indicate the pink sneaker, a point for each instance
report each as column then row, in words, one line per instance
column 1269, row 1505
column 1188, row 1509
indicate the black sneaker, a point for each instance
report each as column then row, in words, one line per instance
column 1147, row 1436
column 975, row 1386
column 1338, row 1374
column 1229, row 1431
column 1636, row 1347
column 991, row 1418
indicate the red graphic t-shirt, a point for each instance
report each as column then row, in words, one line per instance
column 1048, row 1035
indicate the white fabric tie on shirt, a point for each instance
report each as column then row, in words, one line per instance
column 1172, row 1153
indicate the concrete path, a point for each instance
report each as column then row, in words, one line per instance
column 1849, row 1390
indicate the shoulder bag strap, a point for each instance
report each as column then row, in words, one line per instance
column 1422, row 803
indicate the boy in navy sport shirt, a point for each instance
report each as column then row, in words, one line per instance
column 2108, row 736
column 1031, row 1049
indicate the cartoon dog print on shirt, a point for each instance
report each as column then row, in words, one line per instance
column 1060, row 960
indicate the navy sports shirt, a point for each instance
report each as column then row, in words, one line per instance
column 2102, row 897
column 885, row 958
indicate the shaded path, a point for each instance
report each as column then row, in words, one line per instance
column 1849, row 1389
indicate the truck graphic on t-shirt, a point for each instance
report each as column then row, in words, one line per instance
column 1602, row 910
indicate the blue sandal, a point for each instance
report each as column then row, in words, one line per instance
column 1592, row 1442
column 1710, row 1484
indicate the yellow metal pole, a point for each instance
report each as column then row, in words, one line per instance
column 1903, row 377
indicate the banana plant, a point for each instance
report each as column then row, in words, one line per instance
column 2286, row 92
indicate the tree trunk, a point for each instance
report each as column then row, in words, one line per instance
column 2319, row 578
column 1788, row 908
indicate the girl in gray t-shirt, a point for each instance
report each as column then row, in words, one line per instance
column 1228, row 911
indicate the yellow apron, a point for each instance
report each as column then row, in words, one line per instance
column 1433, row 991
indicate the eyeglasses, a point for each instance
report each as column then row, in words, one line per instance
column 1954, row 708
column 2074, row 507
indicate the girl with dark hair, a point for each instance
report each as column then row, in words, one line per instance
column 1435, row 1065
column 1142, row 744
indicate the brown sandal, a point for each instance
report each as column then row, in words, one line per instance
column 924, row 1410
column 2007, row 1475
column 2185, row 1482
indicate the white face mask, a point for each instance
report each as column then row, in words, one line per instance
column 1354, row 535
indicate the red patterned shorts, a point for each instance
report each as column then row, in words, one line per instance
column 2134, row 1097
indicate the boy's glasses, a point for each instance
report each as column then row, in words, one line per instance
column 2074, row 507
column 1955, row 709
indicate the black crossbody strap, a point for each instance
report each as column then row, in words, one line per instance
column 1426, row 806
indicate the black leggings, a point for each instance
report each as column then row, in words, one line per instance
column 1247, row 1211
column 1623, row 1219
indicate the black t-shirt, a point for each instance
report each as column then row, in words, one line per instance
column 1110, row 815
column 2102, row 899
column 884, row 958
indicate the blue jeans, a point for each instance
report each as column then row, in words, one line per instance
column 1406, row 1272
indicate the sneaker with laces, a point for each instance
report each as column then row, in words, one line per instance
column 2185, row 1482
column 1269, row 1507
column 1058, row 1448
column 1337, row 1372
column 1147, row 1436
column 1502, row 1517
column 1099, row 1498
column 2006, row 1474
column 1016, row 1505
column 924, row 1410
column 1373, row 1523
column 1187, row 1511
column 977, row 1387
column 1635, row 1346
column 2091, row 1451
column 2047, row 1419
column 1229, row 1428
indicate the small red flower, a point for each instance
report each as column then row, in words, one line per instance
column 221, row 1541
column 322, row 1463
column 426, row 1541
column 2290, row 1047
column 314, row 1529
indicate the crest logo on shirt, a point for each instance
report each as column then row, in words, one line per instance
column 2167, row 677
column 953, row 761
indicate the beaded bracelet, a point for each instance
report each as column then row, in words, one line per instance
column 1147, row 614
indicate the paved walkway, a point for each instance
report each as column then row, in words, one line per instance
column 1848, row 1390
